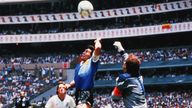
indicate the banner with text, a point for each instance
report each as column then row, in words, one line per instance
column 102, row 14
column 88, row 35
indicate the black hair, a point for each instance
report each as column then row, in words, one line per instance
column 91, row 47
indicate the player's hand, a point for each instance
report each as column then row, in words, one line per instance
column 97, row 43
column 118, row 46
column 68, row 85
column 97, row 40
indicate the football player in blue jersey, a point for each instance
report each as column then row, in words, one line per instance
column 84, row 74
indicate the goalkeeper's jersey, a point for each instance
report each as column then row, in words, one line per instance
column 132, row 89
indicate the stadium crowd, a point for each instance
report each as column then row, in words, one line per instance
column 151, row 55
column 161, row 73
column 145, row 55
column 13, row 81
column 41, row 59
column 17, row 78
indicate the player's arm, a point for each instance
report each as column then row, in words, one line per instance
column 116, row 93
column 120, row 49
column 97, row 51
column 71, row 84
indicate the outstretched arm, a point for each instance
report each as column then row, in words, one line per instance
column 71, row 84
column 117, row 92
column 97, row 51
column 120, row 49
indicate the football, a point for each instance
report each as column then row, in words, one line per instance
column 85, row 8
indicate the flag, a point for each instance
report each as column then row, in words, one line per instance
column 166, row 26
column 66, row 65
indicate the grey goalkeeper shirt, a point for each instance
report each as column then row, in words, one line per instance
column 132, row 90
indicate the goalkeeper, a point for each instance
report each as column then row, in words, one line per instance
column 129, row 85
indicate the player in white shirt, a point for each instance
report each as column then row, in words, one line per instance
column 61, row 99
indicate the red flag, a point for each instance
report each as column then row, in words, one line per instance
column 66, row 65
column 166, row 26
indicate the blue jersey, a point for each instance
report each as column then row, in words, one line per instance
column 84, row 74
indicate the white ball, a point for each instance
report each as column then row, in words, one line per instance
column 85, row 8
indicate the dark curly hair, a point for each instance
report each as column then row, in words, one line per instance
column 91, row 47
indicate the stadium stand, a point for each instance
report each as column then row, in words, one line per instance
column 36, row 66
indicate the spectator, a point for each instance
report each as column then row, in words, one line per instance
column 22, row 101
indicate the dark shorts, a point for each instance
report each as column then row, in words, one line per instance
column 84, row 96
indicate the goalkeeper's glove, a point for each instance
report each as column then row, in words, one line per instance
column 118, row 46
